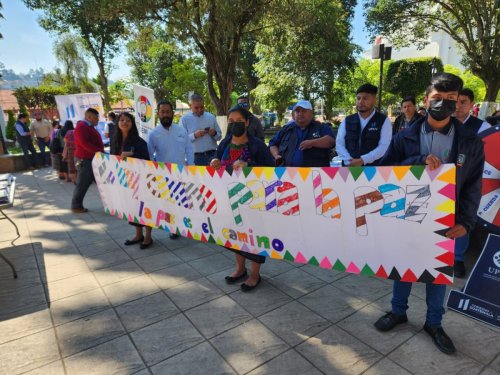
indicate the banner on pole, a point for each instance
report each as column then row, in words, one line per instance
column 144, row 104
column 480, row 298
column 379, row 221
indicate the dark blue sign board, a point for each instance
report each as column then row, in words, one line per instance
column 480, row 298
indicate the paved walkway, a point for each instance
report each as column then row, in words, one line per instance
column 86, row 304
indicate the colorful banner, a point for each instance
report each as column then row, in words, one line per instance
column 73, row 107
column 480, row 298
column 386, row 221
column 144, row 102
column 489, row 207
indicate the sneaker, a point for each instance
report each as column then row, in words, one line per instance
column 173, row 236
column 440, row 338
column 389, row 321
column 459, row 269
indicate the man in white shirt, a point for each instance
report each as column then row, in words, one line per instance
column 41, row 129
column 363, row 138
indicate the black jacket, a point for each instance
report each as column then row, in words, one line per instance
column 135, row 144
column 405, row 150
column 396, row 127
column 260, row 156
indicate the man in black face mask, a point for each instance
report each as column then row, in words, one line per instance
column 169, row 142
column 436, row 139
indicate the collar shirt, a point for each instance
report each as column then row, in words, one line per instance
column 170, row 145
column 192, row 123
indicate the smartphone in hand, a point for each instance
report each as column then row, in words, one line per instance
column 207, row 129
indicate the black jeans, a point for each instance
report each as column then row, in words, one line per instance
column 83, row 181
column 28, row 148
column 204, row 158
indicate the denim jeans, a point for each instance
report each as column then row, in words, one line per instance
column 461, row 245
column 204, row 158
column 434, row 297
column 42, row 145
column 83, row 181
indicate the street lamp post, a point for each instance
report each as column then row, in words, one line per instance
column 380, row 51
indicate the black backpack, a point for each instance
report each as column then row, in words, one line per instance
column 56, row 146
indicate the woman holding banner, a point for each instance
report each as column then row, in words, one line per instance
column 235, row 152
column 127, row 143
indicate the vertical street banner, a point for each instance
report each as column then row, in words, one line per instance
column 388, row 222
column 144, row 105
column 480, row 298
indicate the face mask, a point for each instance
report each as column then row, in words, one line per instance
column 237, row 128
column 441, row 109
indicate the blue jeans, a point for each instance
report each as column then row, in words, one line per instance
column 41, row 145
column 204, row 158
column 461, row 245
column 83, row 181
column 434, row 297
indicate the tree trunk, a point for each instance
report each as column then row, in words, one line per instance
column 252, row 84
column 104, row 86
column 492, row 83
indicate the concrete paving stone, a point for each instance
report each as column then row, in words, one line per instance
column 274, row 267
column 91, row 238
column 289, row 363
column 89, row 331
column 173, row 276
column 193, row 293
column 191, row 250
column 24, row 323
column 25, row 278
column 20, row 263
column 165, row 339
column 332, row 303
column 13, row 300
column 489, row 371
column 262, row 299
column 28, row 353
column 113, row 357
column 130, row 289
column 201, row 359
column 328, row 276
column 98, row 248
column 495, row 365
column 49, row 258
column 65, row 270
column 179, row 243
column 419, row 355
column 217, row 316
column 218, row 279
column 334, row 351
column 294, row 322
column 78, row 306
column 360, row 325
column 363, row 287
column 135, row 251
column 248, row 346
column 54, row 368
column 107, row 259
column 156, row 262
column 71, row 286
column 386, row 367
column 296, row 282
column 118, row 272
column 211, row 264
column 145, row 311
column 471, row 337
column 14, row 252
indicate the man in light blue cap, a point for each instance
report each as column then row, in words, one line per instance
column 303, row 142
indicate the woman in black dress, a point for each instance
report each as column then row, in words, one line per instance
column 128, row 143
column 237, row 151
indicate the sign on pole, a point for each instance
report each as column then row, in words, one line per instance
column 144, row 104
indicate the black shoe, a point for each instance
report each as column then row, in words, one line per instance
column 133, row 242
column 440, row 338
column 459, row 269
column 389, row 321
column 247, row 288
column 173, row 236
column 146, row 245
column 235, row 279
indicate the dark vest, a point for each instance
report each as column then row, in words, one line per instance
column 23, row 138
column 312, row 157
column 360, row 143
column 473, row 123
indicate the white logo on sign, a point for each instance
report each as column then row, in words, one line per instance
column 496, row 259
column 463, row 304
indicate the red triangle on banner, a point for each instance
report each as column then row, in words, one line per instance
column 409, row 276
column 447, row 258
column 189, row 235
column 227, row 244
column 442, row 279
column 203, row 238
column 447, row 221
column 330, row 171
column 155, row 164
column 381, row 272
column 211, row 171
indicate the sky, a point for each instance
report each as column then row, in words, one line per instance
column 25, row 45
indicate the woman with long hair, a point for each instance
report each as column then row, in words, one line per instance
column 128, row 143
column 68, row 154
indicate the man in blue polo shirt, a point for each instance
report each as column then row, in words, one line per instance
column 434, row 140
column 24, row 139
column 303, row 142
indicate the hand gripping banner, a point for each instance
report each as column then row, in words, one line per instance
column 388, row 222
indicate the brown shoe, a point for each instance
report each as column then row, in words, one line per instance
column 79, row 210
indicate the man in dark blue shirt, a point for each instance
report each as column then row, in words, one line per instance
column 303, row 142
